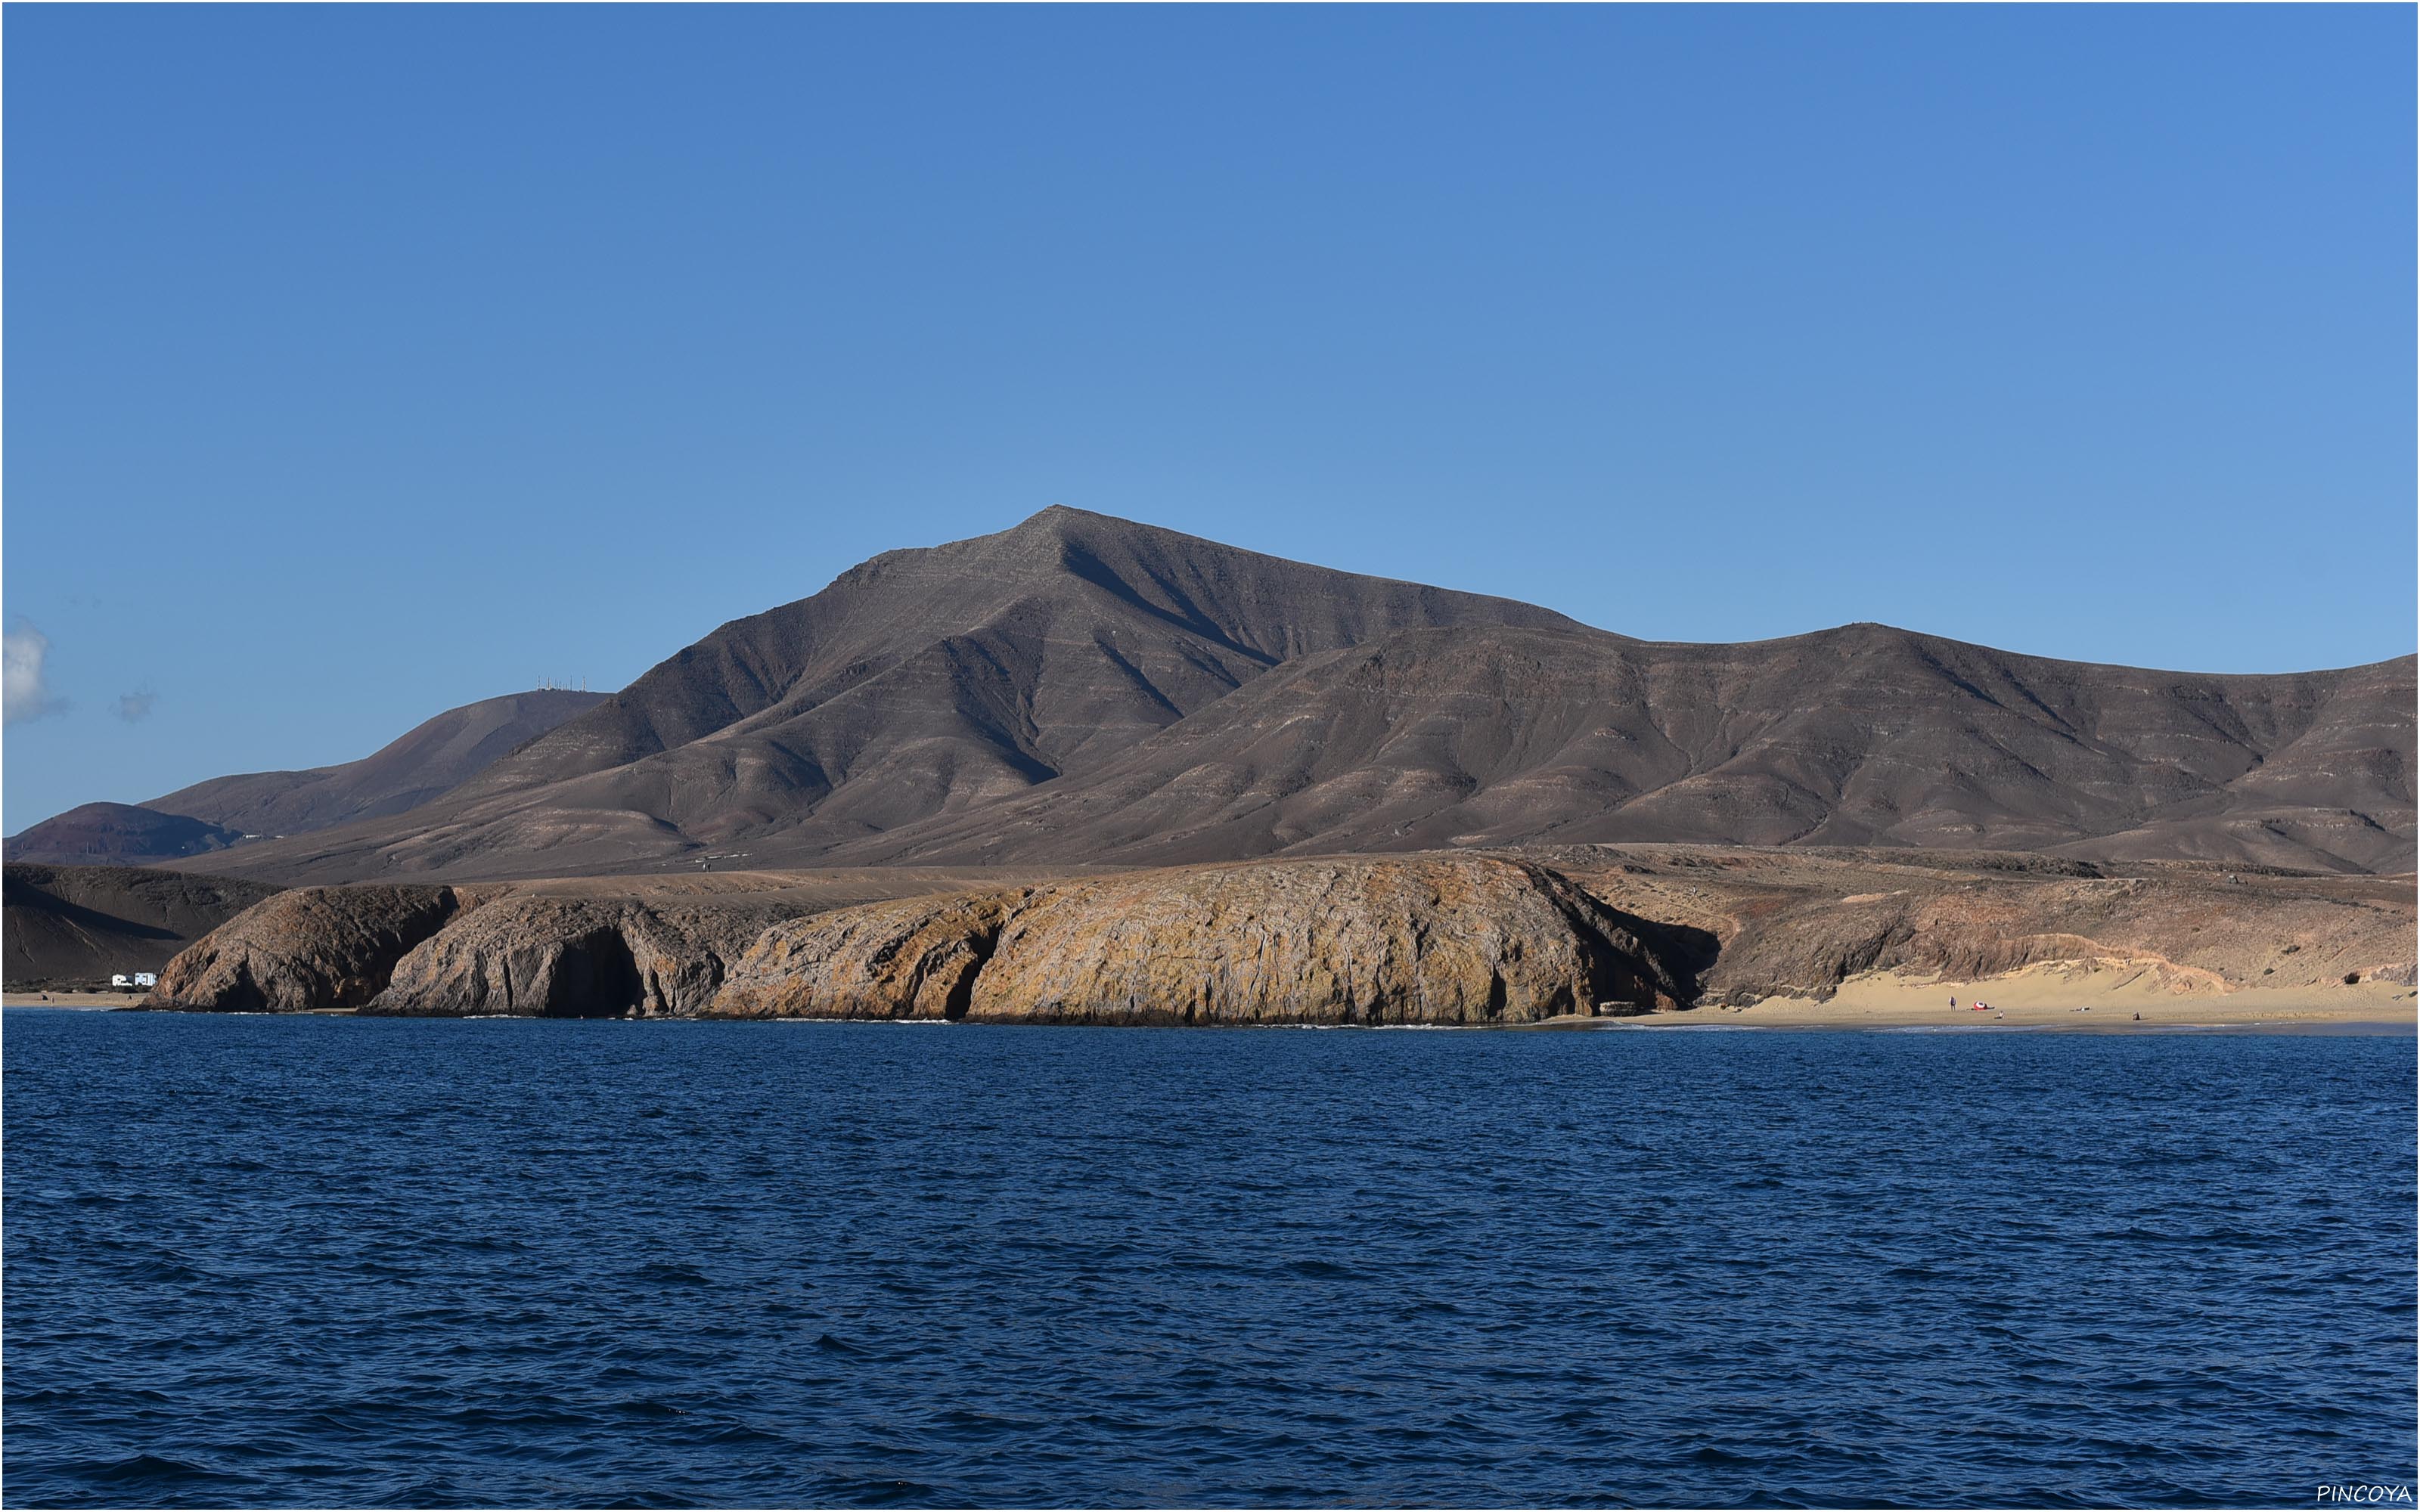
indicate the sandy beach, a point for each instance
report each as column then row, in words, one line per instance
column 2045, row 998
column 2063, row 996
column 68, row 1000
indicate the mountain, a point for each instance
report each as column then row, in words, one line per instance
column 94, row 834
column 82, row 924
column 919, row 683
column 1085, row 689
column 1859, row 736
column 428, row 760
column 432, row 758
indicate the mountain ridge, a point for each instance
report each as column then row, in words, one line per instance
column 748, row 666
column 1083, row 688
column 225, row 812
column 432, row 758
column 1465, row 780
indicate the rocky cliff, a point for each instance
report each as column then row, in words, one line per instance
column 1801, row 924
column 1431, row 939
column 312, row 948
column 549, row 957
column 1455, row 939
column 916, row 958
column 1440, row 937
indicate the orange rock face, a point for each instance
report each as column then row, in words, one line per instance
column 917, row 958
column 311, row 948
column 549, row 957
column 1380, row 940
column 1417, row 939
column 1372, row 940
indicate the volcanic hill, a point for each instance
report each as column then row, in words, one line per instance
column 1083, row 689
column 432, row 758
column 76, row 926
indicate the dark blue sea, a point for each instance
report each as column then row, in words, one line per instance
column 259, row 1261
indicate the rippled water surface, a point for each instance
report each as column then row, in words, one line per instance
column 317, row 1260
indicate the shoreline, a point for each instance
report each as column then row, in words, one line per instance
column 87, row 1002
column 2064, row 996
column 2028, row 1002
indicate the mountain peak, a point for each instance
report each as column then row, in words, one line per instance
column 1060, row 526
column 1058, row 521
column 1079, row 687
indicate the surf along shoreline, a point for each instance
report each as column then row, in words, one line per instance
column 2033, row 1001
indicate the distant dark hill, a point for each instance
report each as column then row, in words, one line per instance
column 98, row 834
column 430, row 759
column 1083, row 688
column 80, row 924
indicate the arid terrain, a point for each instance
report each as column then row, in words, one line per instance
column 1089, row 770
column 425, row 762
column 76, row 926
column 1083, row 690
column 1453, row 937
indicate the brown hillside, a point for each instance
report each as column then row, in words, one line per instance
column 104, row 834
column 82, row 924
column 1081, row 689
column 430, row 759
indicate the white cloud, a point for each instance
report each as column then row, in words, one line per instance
column 136, row 707
column 24, row 695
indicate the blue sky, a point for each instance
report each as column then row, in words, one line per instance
column 364, row 361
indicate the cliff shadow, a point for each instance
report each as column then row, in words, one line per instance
column 1685, row 953
column 594, row 976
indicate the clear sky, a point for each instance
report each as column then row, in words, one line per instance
column 364, row 361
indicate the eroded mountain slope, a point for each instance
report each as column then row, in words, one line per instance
column 1863, row 735
column 1083, row 689
column 919, row 683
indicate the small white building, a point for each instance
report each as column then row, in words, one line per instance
column 120, row 980
column 146, row 979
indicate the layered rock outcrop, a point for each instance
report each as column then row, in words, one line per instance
column 1801, row 924
column 1391, row 940
column 1410, row 940
column 1431, row 939
column 916, row 958
column 312, row 948
column 552, row 957
column 1443, row 937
